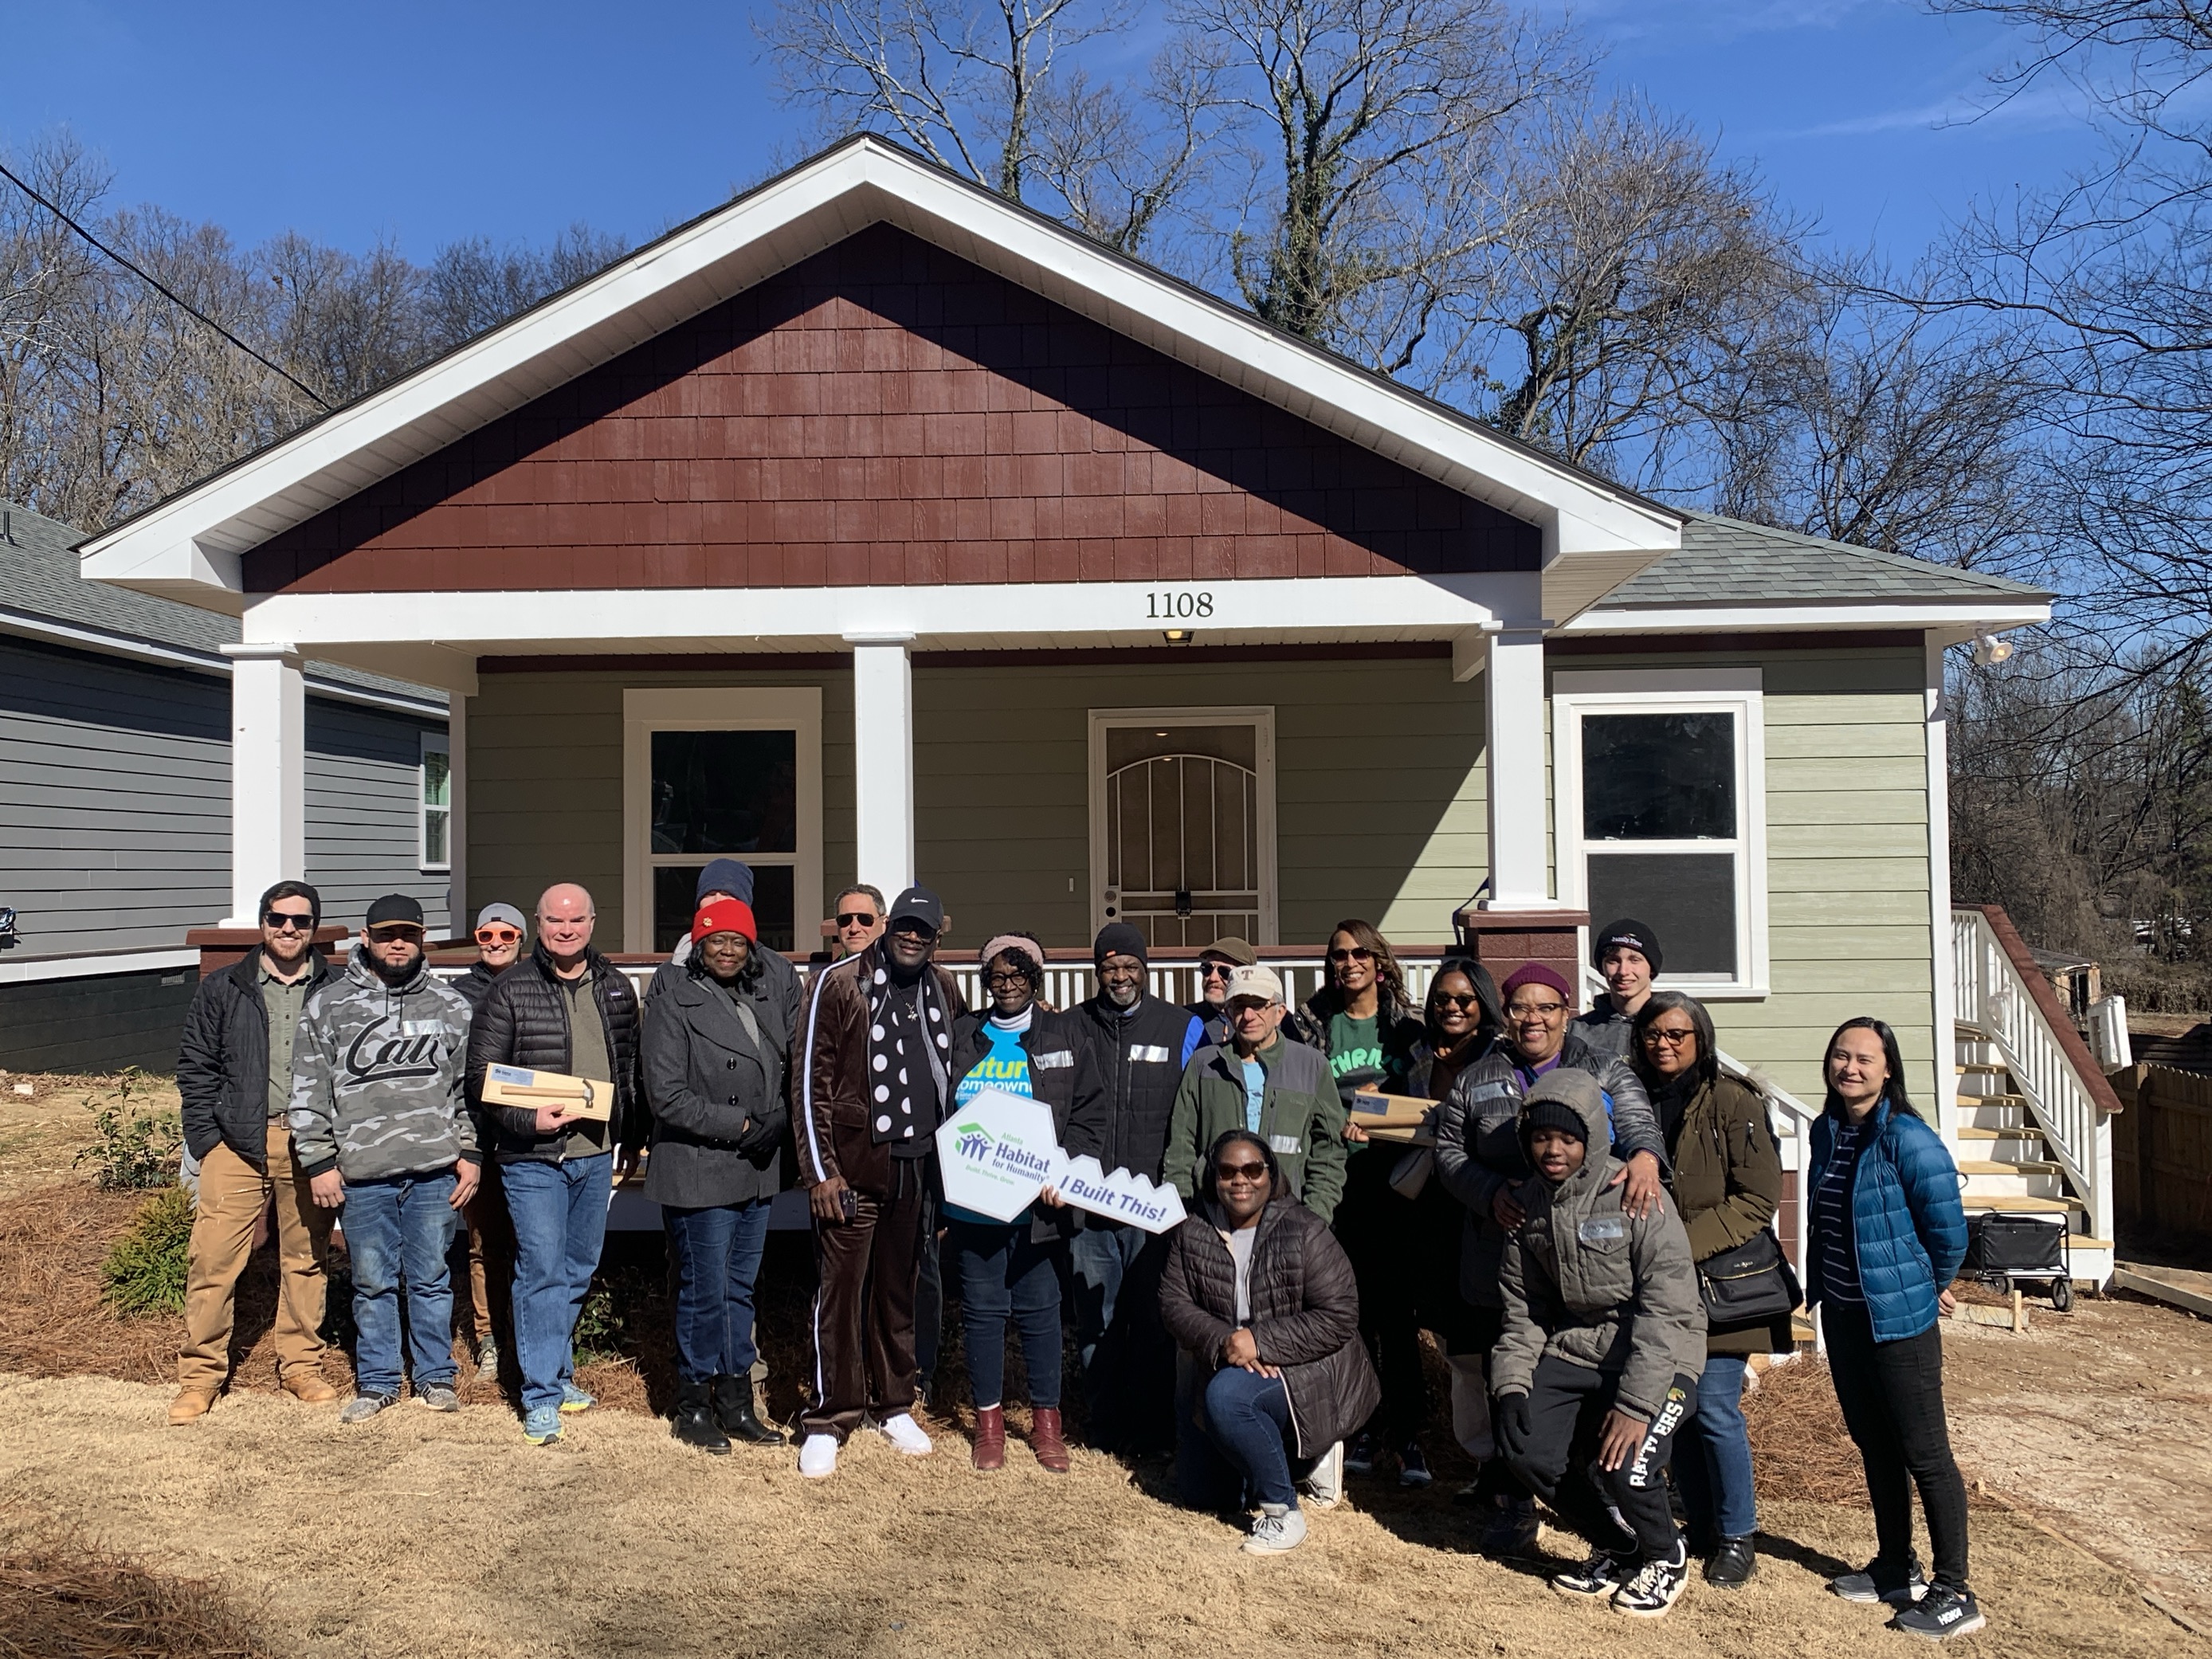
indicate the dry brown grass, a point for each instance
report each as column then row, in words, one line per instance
column 59, row 1602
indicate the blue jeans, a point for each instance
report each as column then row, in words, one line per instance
column 718, row 1258
column 1247, row 1415
column 1712, row 1461
column 396, row 1232
column 1003, row 1273
column 560, row 1216
column 1101, row 1256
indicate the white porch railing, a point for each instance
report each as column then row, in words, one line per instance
column 2068, row 1098
column 1068, row 980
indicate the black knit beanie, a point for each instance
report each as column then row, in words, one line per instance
column 1120, row 938
column 1553, row 1114
column 1630, row 932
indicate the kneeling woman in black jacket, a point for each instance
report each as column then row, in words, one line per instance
column 714, row 1081
column 1012, row 1269
column 1258, row 1291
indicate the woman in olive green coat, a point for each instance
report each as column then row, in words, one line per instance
column 1727, row 1184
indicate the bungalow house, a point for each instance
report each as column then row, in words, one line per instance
column 115, row 801
column 871, row 526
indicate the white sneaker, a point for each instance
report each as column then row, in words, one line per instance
column 906, row 1434
column 1326, row 1483
column 1279, row 1530
column 818, row 1456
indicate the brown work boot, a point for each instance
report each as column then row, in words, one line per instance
column 189, row 1406
column 308, row 1387
column 991, row 1437
column 1045, row 1438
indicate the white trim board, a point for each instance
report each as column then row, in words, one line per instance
column 826, row 618
column 735, row 708
column 1972, row 615
column 188, row 547
column 1262, row 718
column 1736, row 691
column 153, row 959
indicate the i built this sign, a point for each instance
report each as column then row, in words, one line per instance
column 999, row 1151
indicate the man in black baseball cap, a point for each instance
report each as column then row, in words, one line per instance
column 1627, row 953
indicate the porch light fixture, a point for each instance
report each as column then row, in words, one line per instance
column 1179, row 635
column 1989, row 650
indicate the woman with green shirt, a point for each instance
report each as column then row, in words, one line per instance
column 1373, row 1037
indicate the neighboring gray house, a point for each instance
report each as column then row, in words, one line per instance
column 115, row 803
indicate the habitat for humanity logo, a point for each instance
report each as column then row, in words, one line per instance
column 974, row 1141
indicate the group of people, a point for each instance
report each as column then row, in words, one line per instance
column 1583, row 1221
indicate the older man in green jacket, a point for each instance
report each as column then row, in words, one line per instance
column 1279, row 1091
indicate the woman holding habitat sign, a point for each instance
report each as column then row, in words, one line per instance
column 1014, row 1269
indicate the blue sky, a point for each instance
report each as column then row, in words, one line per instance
column 422, row 123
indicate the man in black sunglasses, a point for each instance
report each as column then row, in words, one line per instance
column 1214, row 965
column 234, row 1074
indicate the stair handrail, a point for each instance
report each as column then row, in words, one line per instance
column 2003, row 1000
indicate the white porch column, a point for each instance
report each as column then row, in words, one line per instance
column 882, row 759
column 1941, row 958
column 268, row 774
column 1519, row 813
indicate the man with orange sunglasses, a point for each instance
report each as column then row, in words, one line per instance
column 500, row 931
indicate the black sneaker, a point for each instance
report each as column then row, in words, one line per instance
column 1732, row 1565
column 1943, row 1612
column 1600, row 1575
column 1656, row 1587
column 1413, row 1465
column 1359, row 1455
column 1880, row 1581
column 1512, row 1529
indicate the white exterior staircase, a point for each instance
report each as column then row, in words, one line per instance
column 2033, row 1126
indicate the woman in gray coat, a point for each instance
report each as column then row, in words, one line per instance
column 714, row 1080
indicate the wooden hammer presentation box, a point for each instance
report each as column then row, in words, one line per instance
column 1399, row 1118
column 522, row 1089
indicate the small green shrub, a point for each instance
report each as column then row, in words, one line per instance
column 132, row 1150
column 146, row 1271
column 600, row 1331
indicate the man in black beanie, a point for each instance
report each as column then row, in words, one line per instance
column 1141, row 1045
column 234, row 1074
column 1627, row 953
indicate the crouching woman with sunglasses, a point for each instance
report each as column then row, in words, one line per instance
column 1260, row 1294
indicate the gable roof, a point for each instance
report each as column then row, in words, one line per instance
column 1596, row 534
column 1724, row 561
column 43, row 595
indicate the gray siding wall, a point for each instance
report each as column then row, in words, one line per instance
column 115, row 802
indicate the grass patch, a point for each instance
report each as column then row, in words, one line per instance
column 146, row 1271
column 87, row 1602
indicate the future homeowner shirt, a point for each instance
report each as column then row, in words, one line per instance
column 1004, row 1065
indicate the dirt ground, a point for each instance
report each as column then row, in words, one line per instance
column 416, row 1531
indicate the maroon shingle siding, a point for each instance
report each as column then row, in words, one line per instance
column 886, row 414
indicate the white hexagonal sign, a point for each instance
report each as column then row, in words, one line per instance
column 996, row 1153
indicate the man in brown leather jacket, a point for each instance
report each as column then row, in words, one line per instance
column 874, row 1079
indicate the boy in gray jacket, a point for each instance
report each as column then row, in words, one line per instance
column 1604, row 1332
column 383, row 1132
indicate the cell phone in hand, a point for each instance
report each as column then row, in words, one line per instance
column 847, row 1202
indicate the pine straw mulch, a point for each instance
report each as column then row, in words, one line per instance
column 76, row 1603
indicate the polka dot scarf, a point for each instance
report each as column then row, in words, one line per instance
column 906, row 1055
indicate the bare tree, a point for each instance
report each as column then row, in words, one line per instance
column 472, row 285
column 1120, row 162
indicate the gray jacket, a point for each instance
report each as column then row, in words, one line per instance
column 1590, row 1284
column 1604, row 1027
column 377, row 1076
column 1479, row 1145
column 710, row 1083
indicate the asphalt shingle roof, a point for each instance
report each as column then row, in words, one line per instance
column 1727, row 561
column 39, row 578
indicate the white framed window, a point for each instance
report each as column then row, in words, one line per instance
column 436, row 790
column 721, row 772
column 1662, row 814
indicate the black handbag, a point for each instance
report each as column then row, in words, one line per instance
column 1749, row 1285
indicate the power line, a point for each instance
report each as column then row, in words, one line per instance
column 162, row 288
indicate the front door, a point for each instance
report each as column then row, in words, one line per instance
column 1182, row 808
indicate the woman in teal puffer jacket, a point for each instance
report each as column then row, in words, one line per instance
column 1885, row 1238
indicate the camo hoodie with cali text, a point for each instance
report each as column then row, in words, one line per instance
column 377, row 1074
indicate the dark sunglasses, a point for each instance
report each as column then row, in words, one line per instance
column 1459, row 1001
column 1355, row 954
column 1240, row 1172
column 498, row 935
column 1007, row 982
column 280, row 920
column 856, row 918
column 921, row 930
column 1216, row 969
column 387, row 932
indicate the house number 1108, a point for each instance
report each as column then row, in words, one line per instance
column 1169, row 605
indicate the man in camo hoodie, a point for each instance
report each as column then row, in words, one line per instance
column 383, row 1133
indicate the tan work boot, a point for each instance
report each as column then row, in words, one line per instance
column 189, row 1406
column 308, row 1387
